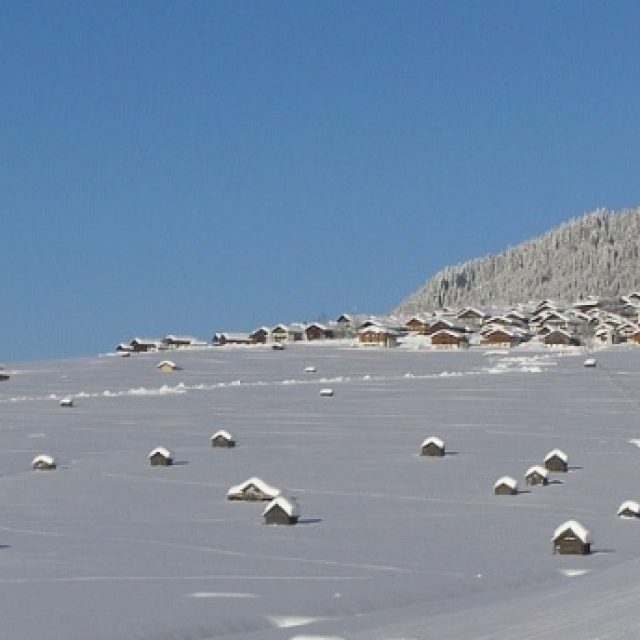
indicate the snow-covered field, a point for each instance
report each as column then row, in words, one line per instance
column 390, row 544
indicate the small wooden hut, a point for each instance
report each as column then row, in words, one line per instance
column 536, row 475
column 432, row 447
column 281, row 510
column 505, row 486
column 223, row 439
column 167, row 366
column 43, row 462
column 66, row 402
column 629, row 509
column 556, row 460
column 253, row 489
column 160, row 457
column 571, row 538
column 327, row 393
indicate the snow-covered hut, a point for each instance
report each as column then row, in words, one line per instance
column 167, row 366
column 571, row 538
column 590, row 362
column 160, row 457
column 432, row 446
column 327, row 392
column 281, row 510
column 310, row 369
column 556, row 460
column 505, row 486
column 629, row 509
column 43, row 462
column 222, row 438
column 536, row 475
column 253, row 489
column 66, row 402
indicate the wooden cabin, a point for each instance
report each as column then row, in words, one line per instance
column 560, row 338
column 505, row 486
column 470, row 315
column 223, row 338
column 43, row 462
column 448, row 339
column 571, row 538
column 253, row 489
column 66, row 402
column 377, row 336
column 259, row 335
column 317, row 331
column 281, row 510
column 432, row 447
column 557, row 461
column 223, row 439
column 536, row 476
column 167, row 366
column 142, row 345
column 160, row 457
column 629, row 509
column 417, row 324
column 501, row 337
column 327, row 392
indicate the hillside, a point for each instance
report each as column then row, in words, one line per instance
column 595, row 254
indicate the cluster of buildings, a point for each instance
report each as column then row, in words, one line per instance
column 585, row 322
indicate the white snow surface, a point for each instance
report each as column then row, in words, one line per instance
column 108, row 549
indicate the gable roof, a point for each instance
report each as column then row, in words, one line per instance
column 576, row 528
column 557, row 453
column 261, row 485
column 288, row 505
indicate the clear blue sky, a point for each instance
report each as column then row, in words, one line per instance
column 204, row 166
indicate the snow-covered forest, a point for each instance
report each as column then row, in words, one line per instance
column 595, row 254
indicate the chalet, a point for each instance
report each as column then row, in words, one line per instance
column 448, row 339
column 556, row 460
column 470, row 315
column 167, row 366
column 377, row 336
column 281, row 510
column 66, row 402
column 124, row 348
column 432, row 447
column 220, row 339
column 536, row 475
column 317, row 331
column 501, row 337
column 505, row 486
column 173, row 341
column 223, row 439
column 160, row 457
column 43, row 462
column 571, row 538
column 560, row 338
column 142, row 345
column 629, row 509
column 517, row 317
column 442, row 324
column 259, row 335
column 587, row 304
column 253, row 489
column 287, row 333
column 417, row 324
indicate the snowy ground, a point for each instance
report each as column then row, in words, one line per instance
column 390, row 544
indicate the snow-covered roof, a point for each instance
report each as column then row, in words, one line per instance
column 44, row 459
column 310, row 369
column 163, row 451
column 326, row 392
column 537, row 469
column 506, row 480
column 377, row 328
column 576, row 528
column 167, row 363
column 629, row 505
column 557, row 453
column 450, row 332
column 433, row 440
column 66, row 402
column 288, row 505
column 222, row 433
column 261, row 485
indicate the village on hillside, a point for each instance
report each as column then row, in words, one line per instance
column 589, row 322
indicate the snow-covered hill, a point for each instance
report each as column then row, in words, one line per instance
column 596, row 254
column 389, row 544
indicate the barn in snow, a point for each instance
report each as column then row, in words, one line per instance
column 536, row 475
column 432, row 447
column 505, row 486
column 253, row 489
column 160, row 457
column 43, row 462
column 223, row 439
column 281, row 510
column 571, row 538
column 629, row 509
column 556, row 460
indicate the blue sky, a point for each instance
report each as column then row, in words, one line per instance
column 202, row 166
